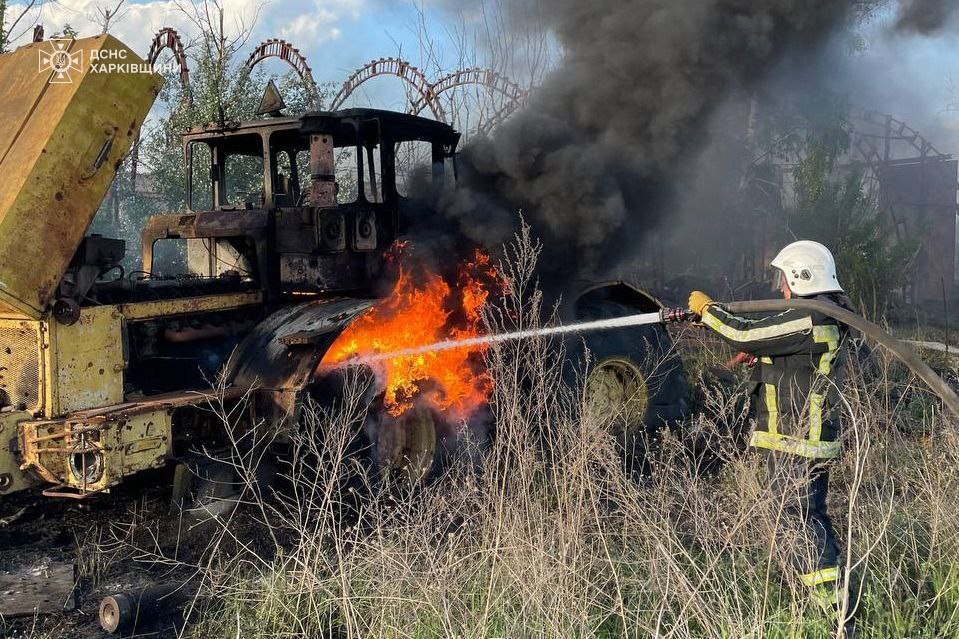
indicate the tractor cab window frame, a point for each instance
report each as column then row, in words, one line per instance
column 200, row 188
column 244, row 173
column 236, row 161
column 372, row 155
column 289, row 175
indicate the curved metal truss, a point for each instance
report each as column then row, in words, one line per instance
column 276, row 48
column 880, row 141
column 165, row 38
column 880, row 138
column 428, row 93
column 401, row 69
column 168, row 38
column 515, row 95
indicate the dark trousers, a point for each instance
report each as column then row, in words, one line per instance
column 802, row 485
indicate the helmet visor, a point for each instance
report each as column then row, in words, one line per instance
column 777, row 283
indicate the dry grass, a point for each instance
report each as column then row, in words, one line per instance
column 552, row 539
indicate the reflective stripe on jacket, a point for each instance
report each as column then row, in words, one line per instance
column 801, row 358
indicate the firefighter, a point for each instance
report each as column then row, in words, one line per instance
column 799, row 358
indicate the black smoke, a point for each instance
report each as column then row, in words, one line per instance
column 924, row 16
column 594, row 159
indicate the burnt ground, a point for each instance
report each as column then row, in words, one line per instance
column 99, row 535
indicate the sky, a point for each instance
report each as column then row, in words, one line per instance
column 911, row 76
column 337, row 36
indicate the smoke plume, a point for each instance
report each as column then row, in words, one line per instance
column 593, row 159
column 924, row 16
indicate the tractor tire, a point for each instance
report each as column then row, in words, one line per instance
column 421, row 445
column 630, row 375
column 412, row 449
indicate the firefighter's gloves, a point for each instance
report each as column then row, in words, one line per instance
column 698, row 301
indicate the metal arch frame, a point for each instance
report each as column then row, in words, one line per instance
column 895, row 131
column 168, row 38
column 494, row 81
column 277, row 48
column 876, row 150
column 165, row 38
column 401, row 69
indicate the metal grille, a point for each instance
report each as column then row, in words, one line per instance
column 19, row 364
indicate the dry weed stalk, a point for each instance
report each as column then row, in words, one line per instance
column 551, row 538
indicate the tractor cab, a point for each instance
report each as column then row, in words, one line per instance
column 304, row 205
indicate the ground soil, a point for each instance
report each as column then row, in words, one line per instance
column 92, row 533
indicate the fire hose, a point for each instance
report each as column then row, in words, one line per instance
column 674, row 315
column 897, row 347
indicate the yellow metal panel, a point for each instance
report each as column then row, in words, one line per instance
column 60, row 146
column 89, row 360
column 107, row 450
column 21, row 364
column 206, row 303
column 11, row 477
column 23, row 85
column 143, row 442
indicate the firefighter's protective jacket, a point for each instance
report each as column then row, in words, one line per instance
column 797, row 378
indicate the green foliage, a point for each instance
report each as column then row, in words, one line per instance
column 66, row 32
column 831, row 199
column 219, row 91
column 3, row 33
column 833, row 205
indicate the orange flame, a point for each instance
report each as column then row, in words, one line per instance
column 419, row 311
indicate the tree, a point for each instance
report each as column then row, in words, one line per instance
column 106, row 16
column 220, row 91
column 3, row 33
column 19, row 25
column 832, row 205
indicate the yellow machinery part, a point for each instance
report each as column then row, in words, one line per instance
column 22, row 355
column 92, row 454
column 12, row 478
column 87, row 358
column 51, row 369
column 63, row 138
column 65, row 383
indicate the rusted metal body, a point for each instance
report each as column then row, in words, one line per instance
column 280, row 356
column 102, row 378
column 288, row 223
column 73, row 377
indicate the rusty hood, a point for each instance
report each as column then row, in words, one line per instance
column 71, row 109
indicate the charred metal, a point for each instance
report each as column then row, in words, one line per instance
column 107, row 373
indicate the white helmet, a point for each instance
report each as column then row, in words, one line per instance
column 808, row 267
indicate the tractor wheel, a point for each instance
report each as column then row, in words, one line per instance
column 410, row 449
column 420, row 445
column 404, row 447
column 632, row 377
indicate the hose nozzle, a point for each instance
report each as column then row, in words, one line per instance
column 674, row 315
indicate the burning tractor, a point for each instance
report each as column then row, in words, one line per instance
column 104, row 374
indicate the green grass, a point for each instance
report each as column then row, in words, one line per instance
column 553, row 539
